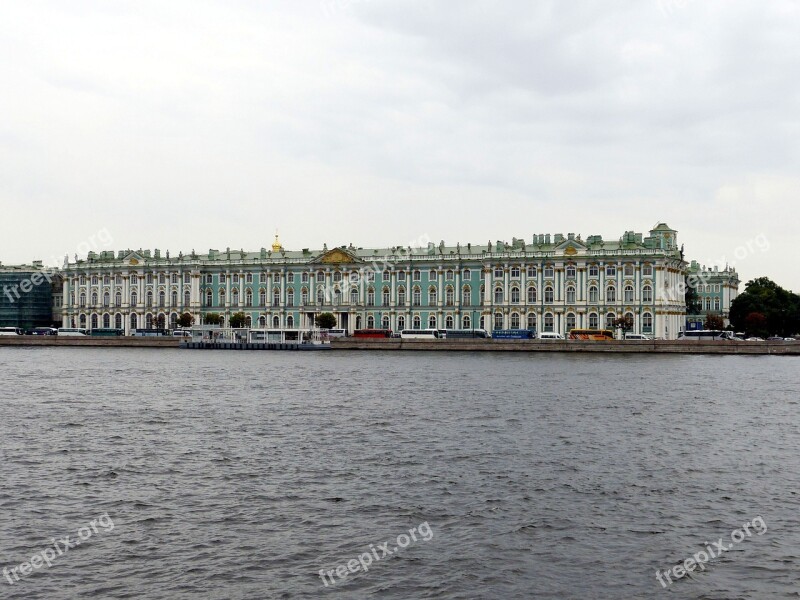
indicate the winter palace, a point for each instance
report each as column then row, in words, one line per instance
column 548, row 283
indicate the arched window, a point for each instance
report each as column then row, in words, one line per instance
column 118, row 321
column 276, row 297
column 370, row 322
column 466, row 296
column 337, row 297
column 629, row 316
column 416, row 276
column 370, row 298
column 320, row 295
column 290, row 322
column 432, row 297
column 571, row 296
column 385, row 322
column 448, row 322
column 262, row 322
column 432, row 322
column 82, row 321
column 548, row 322
column 417, row 322
column 611, row 294
column 174, row 297
column 276, row 322
column 173, row 320
column 570, row 321
column 531, row 320
column 647, row 294
column 514, row 320
column 118, row 300
column 106, row 299
column 515, row 295
column 548, row 295
column 610, row 318
column 498, row 295
column 628, row 294
column 449, row 296
column 134, row 320
column 647, row 323
column 337, row 276
column 401, row 323
column 222, row 297
column 401, row 296
column 466, row 322
column 570, row 272
column 149, row 299
column 94, row 298
column 248, row 320
column 354, row 295
column 106, row 321
column 498, row 320
column 304, row 297
column 594, row 294
column 482, row 323
column 532, row 294
column 514, row 272
column 716, row 304
column 594, row 321
column 162, row 298
column 385, row 296
column 148, row 321
column 449, row 275
column 134, row 299
column 290, row 298
column 187, row 298
column 417, row 300
column 248, row 298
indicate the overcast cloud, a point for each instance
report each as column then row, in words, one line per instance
column 192, row 125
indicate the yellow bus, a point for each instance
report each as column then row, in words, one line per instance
column 591, row 334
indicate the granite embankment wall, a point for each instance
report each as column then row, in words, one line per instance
column 118, row 342
column 630, row 346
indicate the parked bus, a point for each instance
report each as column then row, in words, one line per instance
column 372, row 333
column 10, row 331
column 591, row 334
column 419, row 334
column 458, row 334
column 150, row 332
column 514, row 334
column 42, row 331
column 73, row 331
column 706, row 334
column 106, row 332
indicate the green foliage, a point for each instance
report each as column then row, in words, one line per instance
column 213, row 319
column 779, row 307
column 325, row 320
column 238, row 320
column 623, row 323
column 756, row 324
column 714, row 322
column 692, row 300
column 185, row 320
column 159, row 321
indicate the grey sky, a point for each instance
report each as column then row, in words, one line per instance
column 207, row 124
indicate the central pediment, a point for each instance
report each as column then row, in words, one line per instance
column 337, row 256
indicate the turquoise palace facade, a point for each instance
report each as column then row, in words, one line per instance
column 549, row 283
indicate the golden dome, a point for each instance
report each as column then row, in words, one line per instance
column 276, row 245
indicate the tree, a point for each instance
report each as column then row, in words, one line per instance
column 325, row 320
column 755, row 324
column 624, row 323
column 714, row 322
column 780, row 308
column 238, row 320
column 159, row 321
column 185, row 320
column 213, row 319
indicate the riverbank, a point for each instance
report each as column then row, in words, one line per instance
column 611, row 346
column 476, row 345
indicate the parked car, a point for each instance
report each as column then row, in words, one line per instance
column 550, row 335
column 774, row 338
column 754, row 339
column 636, row 336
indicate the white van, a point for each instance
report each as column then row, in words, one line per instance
column 332, row 333
column 550, row 335
column 636, row 336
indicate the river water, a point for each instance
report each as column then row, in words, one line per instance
column 219, row 474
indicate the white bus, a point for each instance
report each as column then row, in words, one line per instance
column 419, row 334
column 10, row 331
column 705, row 334
column 72, row 331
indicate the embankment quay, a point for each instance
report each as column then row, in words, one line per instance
column 478, row 345
column 618, row 346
